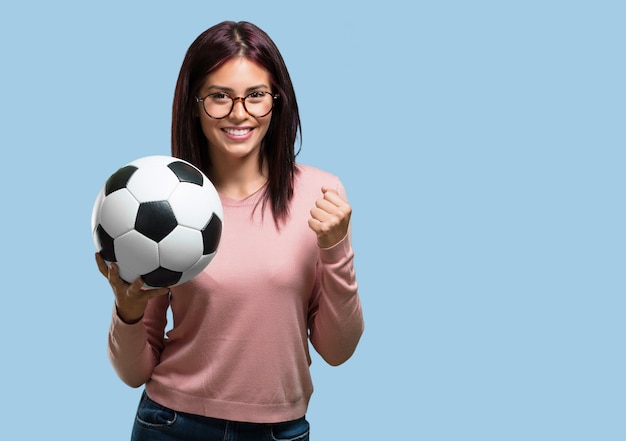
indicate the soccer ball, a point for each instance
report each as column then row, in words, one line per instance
column 158, row 218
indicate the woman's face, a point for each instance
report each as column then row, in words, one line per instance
column 238, row 135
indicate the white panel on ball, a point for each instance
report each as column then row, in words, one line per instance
column 152, row 183
column 136, row 255
column 118, row 213
column 181, row 249
column 184, row 202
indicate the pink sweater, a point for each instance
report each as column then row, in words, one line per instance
column 238, row 349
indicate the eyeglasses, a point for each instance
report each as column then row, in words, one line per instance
column 219, row 105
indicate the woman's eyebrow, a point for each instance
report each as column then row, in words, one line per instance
column 228, row 89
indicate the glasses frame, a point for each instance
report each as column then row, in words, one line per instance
column 235, row 100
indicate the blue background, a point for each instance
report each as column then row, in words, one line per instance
column 482, row 145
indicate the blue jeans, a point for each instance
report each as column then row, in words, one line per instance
column 158, row 423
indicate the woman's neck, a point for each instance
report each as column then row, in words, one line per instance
column 238, row 180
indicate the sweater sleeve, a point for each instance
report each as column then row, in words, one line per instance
column 335, row 315
column 134, row 350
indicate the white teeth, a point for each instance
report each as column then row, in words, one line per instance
column 237, row 132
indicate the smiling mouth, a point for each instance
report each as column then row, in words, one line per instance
column 237, row 132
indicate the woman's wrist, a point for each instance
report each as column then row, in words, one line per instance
column 126, row 318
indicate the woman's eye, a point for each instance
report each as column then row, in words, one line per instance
column 219, row 97
column 257, row 95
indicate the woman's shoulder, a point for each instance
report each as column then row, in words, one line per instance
column 310, row 180
column 308, row 175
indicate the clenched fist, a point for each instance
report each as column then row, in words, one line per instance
column 330, row 218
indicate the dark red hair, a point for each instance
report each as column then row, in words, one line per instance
column 208, row 52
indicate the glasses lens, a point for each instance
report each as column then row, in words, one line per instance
column 218, row 105
column 259, row 104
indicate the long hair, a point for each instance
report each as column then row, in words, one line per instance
column 207, row 53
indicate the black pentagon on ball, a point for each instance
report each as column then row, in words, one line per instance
column 161, row 277
column 211, row 234
column 107, row 250
column 155, row 220
column 119, row 179
column 186, row 173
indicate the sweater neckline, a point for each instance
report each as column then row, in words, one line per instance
column 248, row 200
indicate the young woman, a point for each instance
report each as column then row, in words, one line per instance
column 235, row 365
